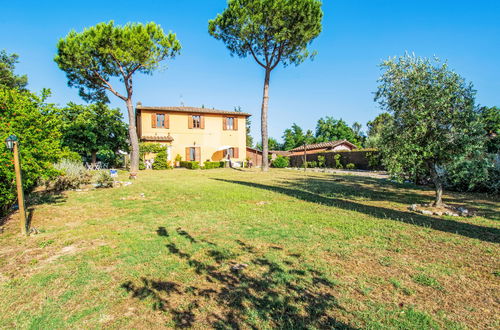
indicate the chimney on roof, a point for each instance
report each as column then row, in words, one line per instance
column 138, row 104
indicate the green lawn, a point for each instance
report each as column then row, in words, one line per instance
column 241, row 249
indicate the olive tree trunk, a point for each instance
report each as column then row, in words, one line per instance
column 134, row 140
column 263, row 118
column 437, row 178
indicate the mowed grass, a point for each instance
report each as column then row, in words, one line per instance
column 243, row 249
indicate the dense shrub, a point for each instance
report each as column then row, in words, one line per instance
column 350, row 166
column 161, row 162
column 480, row 173
column 72, row 175
column 36, row 125
column 280, row 162
column 191, row 165
column 210, row 165
column 104, row 179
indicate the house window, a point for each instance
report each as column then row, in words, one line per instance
column 196, row 121
column 192, row 154
column 160, row 121
column 230, row 123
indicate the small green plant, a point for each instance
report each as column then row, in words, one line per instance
column 427, row 280
column 338, row 164
column 45, row 243
column 312, row 164
column 321, row 161
column 104, row 180
column 350, row 166
column 281, row 162
column 178, row 158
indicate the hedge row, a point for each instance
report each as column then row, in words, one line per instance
column 190, row 165
column 209, row 165
column 362, row 159
column 206, row 165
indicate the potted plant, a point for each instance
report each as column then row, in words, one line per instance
column 178, row 160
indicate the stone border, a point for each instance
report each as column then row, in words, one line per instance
column 447, row 210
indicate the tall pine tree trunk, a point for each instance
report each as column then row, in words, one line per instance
column 94, row 158
column 134, row 140
column 263, row 118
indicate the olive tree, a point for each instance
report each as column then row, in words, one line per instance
column 434, row 118
column 272, row 32
column 93, row 57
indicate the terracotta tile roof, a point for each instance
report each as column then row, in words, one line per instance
column 193, row 110
column 279, row 152
column 157, row 138
column 329, row 144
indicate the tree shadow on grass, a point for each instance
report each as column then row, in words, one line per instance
column 33, row 199
column 45, row 197
column 375, row 189
column 487, row 234
column 259, row 293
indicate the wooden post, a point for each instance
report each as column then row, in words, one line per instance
column 20, row 193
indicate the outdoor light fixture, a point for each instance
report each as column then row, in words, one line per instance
column 12, row 143
column 9, row 142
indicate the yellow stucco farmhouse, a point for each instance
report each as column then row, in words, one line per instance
column 196, row 134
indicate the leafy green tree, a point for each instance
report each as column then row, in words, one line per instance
column 273, row 144
column 360, row 136
column 376, row 125
column 490, row 116
column 375, row 128
column 356, row 127
column 330, row 129
column 7, row 76
column 104, row 51
column 36, row 124
column 293, row 137
column 89, row 129
column 272, row 32
column 435, row 119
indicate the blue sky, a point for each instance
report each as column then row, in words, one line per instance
column 357, row 36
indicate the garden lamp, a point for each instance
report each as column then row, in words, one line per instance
column 9, row 142
column 12, row 143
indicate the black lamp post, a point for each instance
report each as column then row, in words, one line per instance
column 12, row 143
